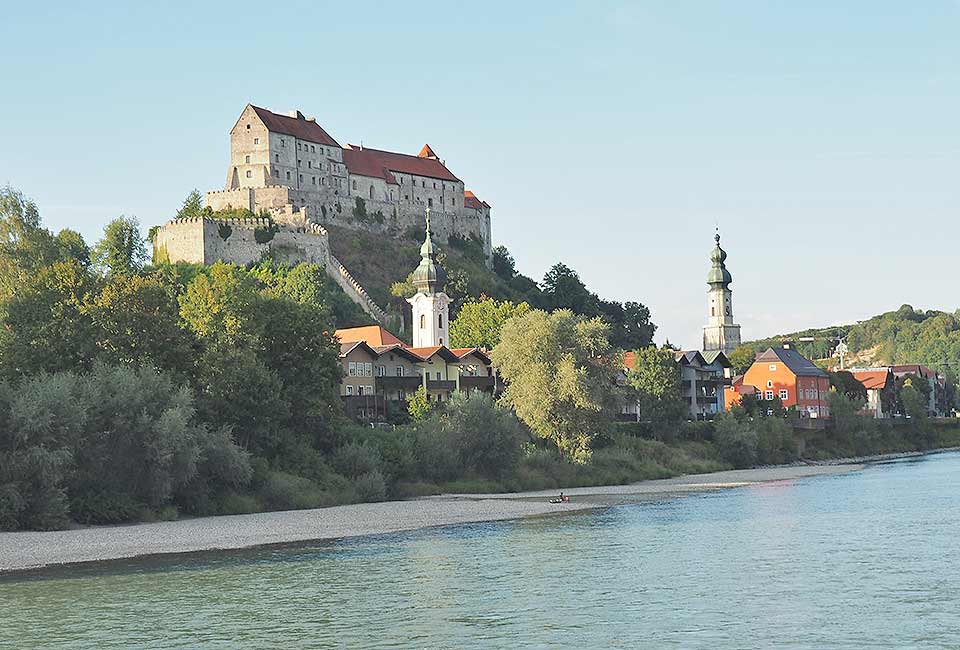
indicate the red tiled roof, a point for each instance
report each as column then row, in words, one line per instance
column 470, row 200
column 466, row 352
column 427, row 152
column 298, row 127
column 912, row 369
column 871, row 379
column 362, row 163
column 373, row 335
column 407, row 164
column 426, row 353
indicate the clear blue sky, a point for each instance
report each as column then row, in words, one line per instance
column 822, row 136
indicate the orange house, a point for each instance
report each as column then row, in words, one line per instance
column 786, row 374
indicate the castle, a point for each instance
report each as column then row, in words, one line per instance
column 289, row 168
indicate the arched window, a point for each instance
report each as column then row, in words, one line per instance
column 713, row 311
column 371, row 192
column 440, row 320
column 423, row 321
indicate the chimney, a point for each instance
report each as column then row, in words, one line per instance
column 296, row 114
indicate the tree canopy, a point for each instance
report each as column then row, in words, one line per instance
column 479, row 322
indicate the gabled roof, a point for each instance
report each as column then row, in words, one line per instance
column 299, row 127
column 717, row 356
column 347, row 348
column 872, row 379
column 373, row 335
column 427, row 353
column 407, row 164
column 793, row 360
column 466, row 352
column 427, row 152
column 689, row 357
column 470, row 200
column 362, row 163
column 912, row 369
column 398, row 349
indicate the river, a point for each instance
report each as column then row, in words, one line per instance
column 867, row 559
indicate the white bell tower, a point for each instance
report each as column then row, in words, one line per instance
column 431, row 306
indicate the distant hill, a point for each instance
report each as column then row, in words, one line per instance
column 906, row 335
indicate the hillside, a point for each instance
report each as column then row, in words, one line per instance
column 906, row 335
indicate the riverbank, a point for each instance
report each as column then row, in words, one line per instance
column 30, row 550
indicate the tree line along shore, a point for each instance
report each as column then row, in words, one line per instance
column 137, row 392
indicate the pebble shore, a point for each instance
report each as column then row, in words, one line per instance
column 29, row 550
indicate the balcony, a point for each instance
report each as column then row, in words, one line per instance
column 441, row 384
column 477, row 383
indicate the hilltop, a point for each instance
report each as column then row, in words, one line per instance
column 906, row 335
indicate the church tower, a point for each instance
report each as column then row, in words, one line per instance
column 720, row 332
column 431, row 306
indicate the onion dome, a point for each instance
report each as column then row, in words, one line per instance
column 718, row 271
column 429, row 277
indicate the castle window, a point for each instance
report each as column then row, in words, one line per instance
column 423, row 183
column 430, row 202
column 256, row 141
column 249, row 174
column 406, row 197
column 298, row 146
column 713, row 312
column 246, row 159
column 313, row 149
column 371, row 192
column 313, row 180
column 288, row 175
column 323, row 180
column 299, row 163
column 248, row 127
column 434, row 185
column 453, row 201
column 309, row 164
column 283, row 143
column 354, row 184
column 301, row 178
column 276, row 157
column 276, row 173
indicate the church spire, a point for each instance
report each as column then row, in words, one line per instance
column 720, row 332
column 719, row 275
column 429, row 277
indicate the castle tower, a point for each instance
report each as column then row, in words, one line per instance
column 431, row 306
column 720, row 332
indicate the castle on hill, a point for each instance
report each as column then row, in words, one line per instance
column 290, row 169
column 289, row 162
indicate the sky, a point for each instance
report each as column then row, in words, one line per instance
column 821, row 137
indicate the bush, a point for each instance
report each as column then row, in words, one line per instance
column 736, row 441
column 282, row 491
column 370, row 487
column 354, row 460
column 104, row 508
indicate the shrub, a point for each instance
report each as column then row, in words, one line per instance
column 354, row 460
column 736, row 441
column 282, row 491
column 104, row 508
column 370, row 487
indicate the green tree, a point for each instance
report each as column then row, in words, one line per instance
column 220, row 303
column 913, row 400
column 123, row 249
column 630, row 326
column 656, row 380
column 563, row 289
column 479, row 322
column 418, row 405
column 560, row 371
column 503, row 263
column 741, row 359
column 844, row 382
column 192, row 206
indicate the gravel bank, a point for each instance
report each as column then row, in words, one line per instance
column 26, row 550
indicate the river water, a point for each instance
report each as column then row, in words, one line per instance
column 869, row 559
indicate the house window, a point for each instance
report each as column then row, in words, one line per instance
column 399, row 371
column 401, row 395
column 368, row 370
column 712, row 312
column 381, row 371
column 773, row 367
column 769, row 395
column 769, row 384
column 352, row 369
column 359, row 390
column 248, row 127
column 349, row 389
column 784, row 394
column 249, row 174
column 246, row 159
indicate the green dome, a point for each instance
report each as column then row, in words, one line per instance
column 429, row 276
column 718, row 272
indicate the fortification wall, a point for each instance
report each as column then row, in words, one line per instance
column 180, row 240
